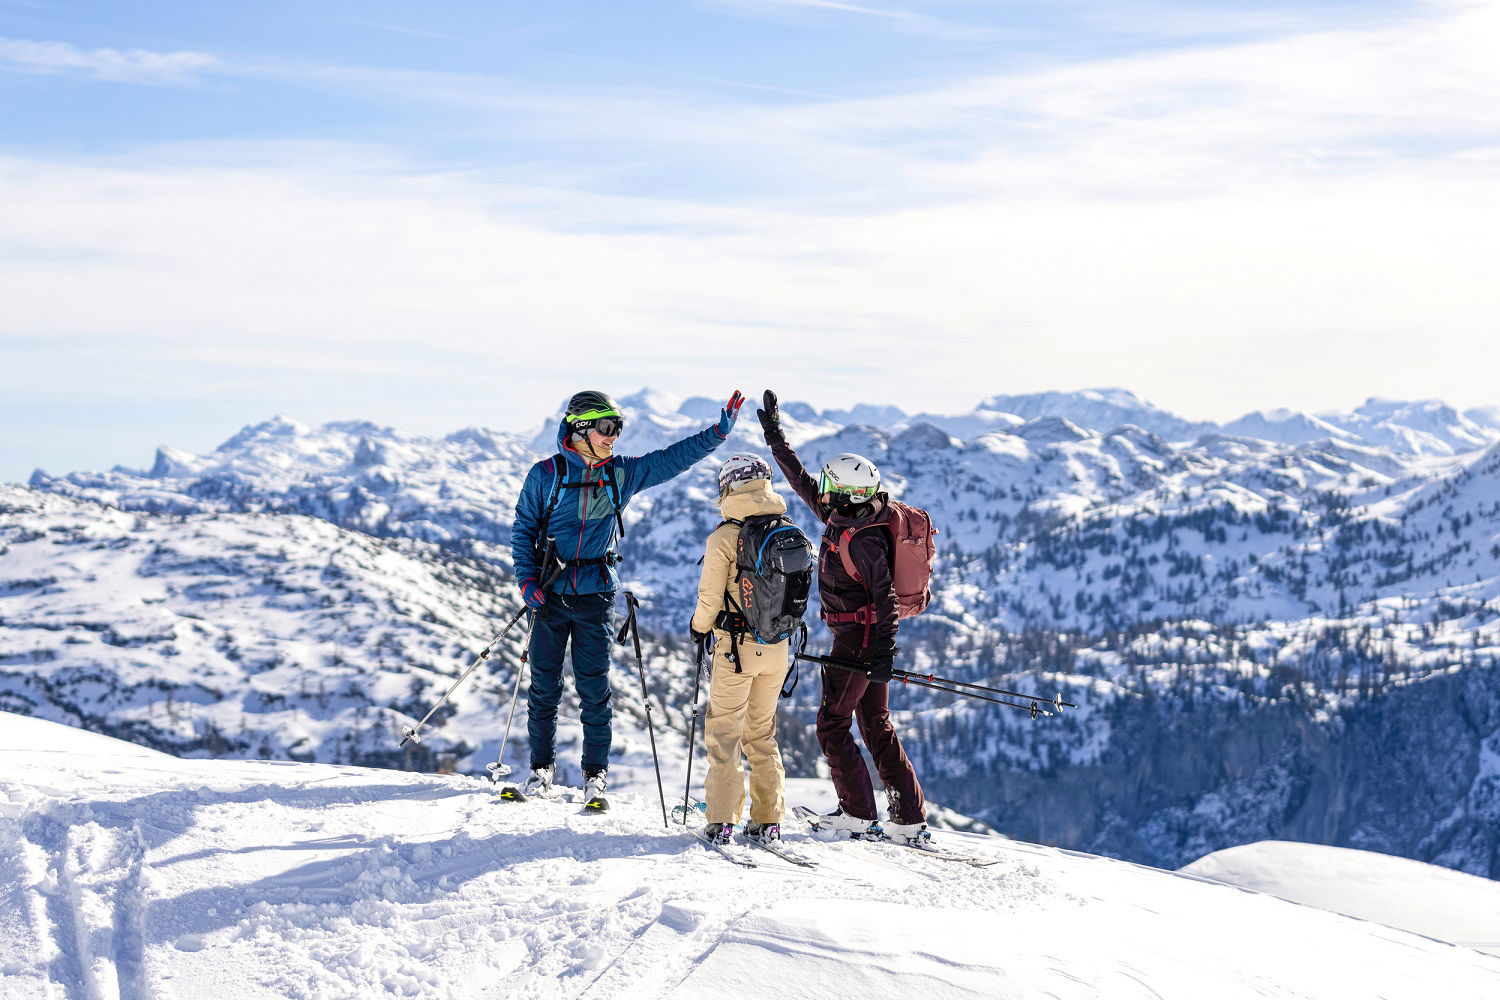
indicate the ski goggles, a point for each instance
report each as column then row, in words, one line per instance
column 606, row 422
column 829, row 485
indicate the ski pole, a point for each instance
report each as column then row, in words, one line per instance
column 499, row 768
column 634, row 631
column 906, row 677
column 414, row 734
column 1057, row 702
column 687, row 791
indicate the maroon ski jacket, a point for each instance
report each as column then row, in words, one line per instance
column 870, row 551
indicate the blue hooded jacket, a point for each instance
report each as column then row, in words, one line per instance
column 583, row 519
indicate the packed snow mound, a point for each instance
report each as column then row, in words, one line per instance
column 135, row 876
column 1412, row 895
column 21, row 732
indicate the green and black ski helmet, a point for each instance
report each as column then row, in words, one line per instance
column 591, row 405
column 590, row 411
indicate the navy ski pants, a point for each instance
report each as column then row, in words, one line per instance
column 585, row 619
column 848, row 695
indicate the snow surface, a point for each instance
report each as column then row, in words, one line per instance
column 1412, row 895
column 130, row 874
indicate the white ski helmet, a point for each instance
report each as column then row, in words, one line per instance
column 738, row 469
column 853, row 477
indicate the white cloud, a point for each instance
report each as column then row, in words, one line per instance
column 119, row 65
column 901, row 18
column 1302, row 221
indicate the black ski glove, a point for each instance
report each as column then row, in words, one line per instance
column 879, row 668
column 770, row 419
column 699, row 638
column 879, row 661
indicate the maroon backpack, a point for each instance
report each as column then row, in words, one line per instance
column 911, row 565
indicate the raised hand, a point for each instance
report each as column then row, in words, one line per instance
column 769, row 416
column 730, row 413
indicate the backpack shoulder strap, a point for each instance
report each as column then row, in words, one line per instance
column 842, row 547
column 614, row 496
column 559, row 472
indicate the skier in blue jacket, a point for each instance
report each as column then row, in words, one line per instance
column 581, row 508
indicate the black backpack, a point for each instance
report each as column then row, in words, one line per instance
column 774, row 562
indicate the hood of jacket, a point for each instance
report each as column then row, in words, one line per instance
column 754, row 499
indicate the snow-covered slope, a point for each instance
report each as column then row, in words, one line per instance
column 125, row 874
column 1425, row 899
column 275, row 636
column 240, row 634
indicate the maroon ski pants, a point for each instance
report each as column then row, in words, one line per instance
column 848, row 695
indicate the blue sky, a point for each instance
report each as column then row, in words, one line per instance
column 451, row 214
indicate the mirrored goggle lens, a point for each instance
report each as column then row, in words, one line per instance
column 829, row 486
column 608, row 426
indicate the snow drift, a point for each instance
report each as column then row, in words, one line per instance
column 130, row 873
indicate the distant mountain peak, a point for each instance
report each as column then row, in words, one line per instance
column 1100, row 410
column 279, row 426
column 653, row 400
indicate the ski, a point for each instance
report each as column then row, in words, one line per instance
column 513, row 793
column 680, row 816
column 597, row 804
column 795, row 857
column 940, row 855
column 743, row 862
column 879, row 837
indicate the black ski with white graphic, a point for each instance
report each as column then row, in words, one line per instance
column 878, row 837
column 723, row 850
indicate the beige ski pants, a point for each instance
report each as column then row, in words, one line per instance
column 742, row 716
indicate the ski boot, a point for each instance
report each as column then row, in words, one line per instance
column 593, row 792
column 763, row 833
column 909, row 834
column 539, row 782
column 719, row 833
column 839, row 821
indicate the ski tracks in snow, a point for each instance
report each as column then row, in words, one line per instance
column 250, row 879
column 88, row 877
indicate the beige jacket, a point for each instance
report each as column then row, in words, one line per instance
column 755, row 498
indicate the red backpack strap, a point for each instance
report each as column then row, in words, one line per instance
column 842, row 548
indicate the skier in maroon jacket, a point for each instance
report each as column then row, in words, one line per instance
column 862, row 614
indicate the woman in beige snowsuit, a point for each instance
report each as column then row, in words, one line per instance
column 743, row 695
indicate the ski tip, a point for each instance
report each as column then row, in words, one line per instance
column 512, row 794
column 596, row 805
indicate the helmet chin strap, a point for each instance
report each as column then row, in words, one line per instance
column 581, row 442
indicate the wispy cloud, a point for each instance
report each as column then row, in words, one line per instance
column 1185, row 120
column 119, row 65
column 900, row 18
